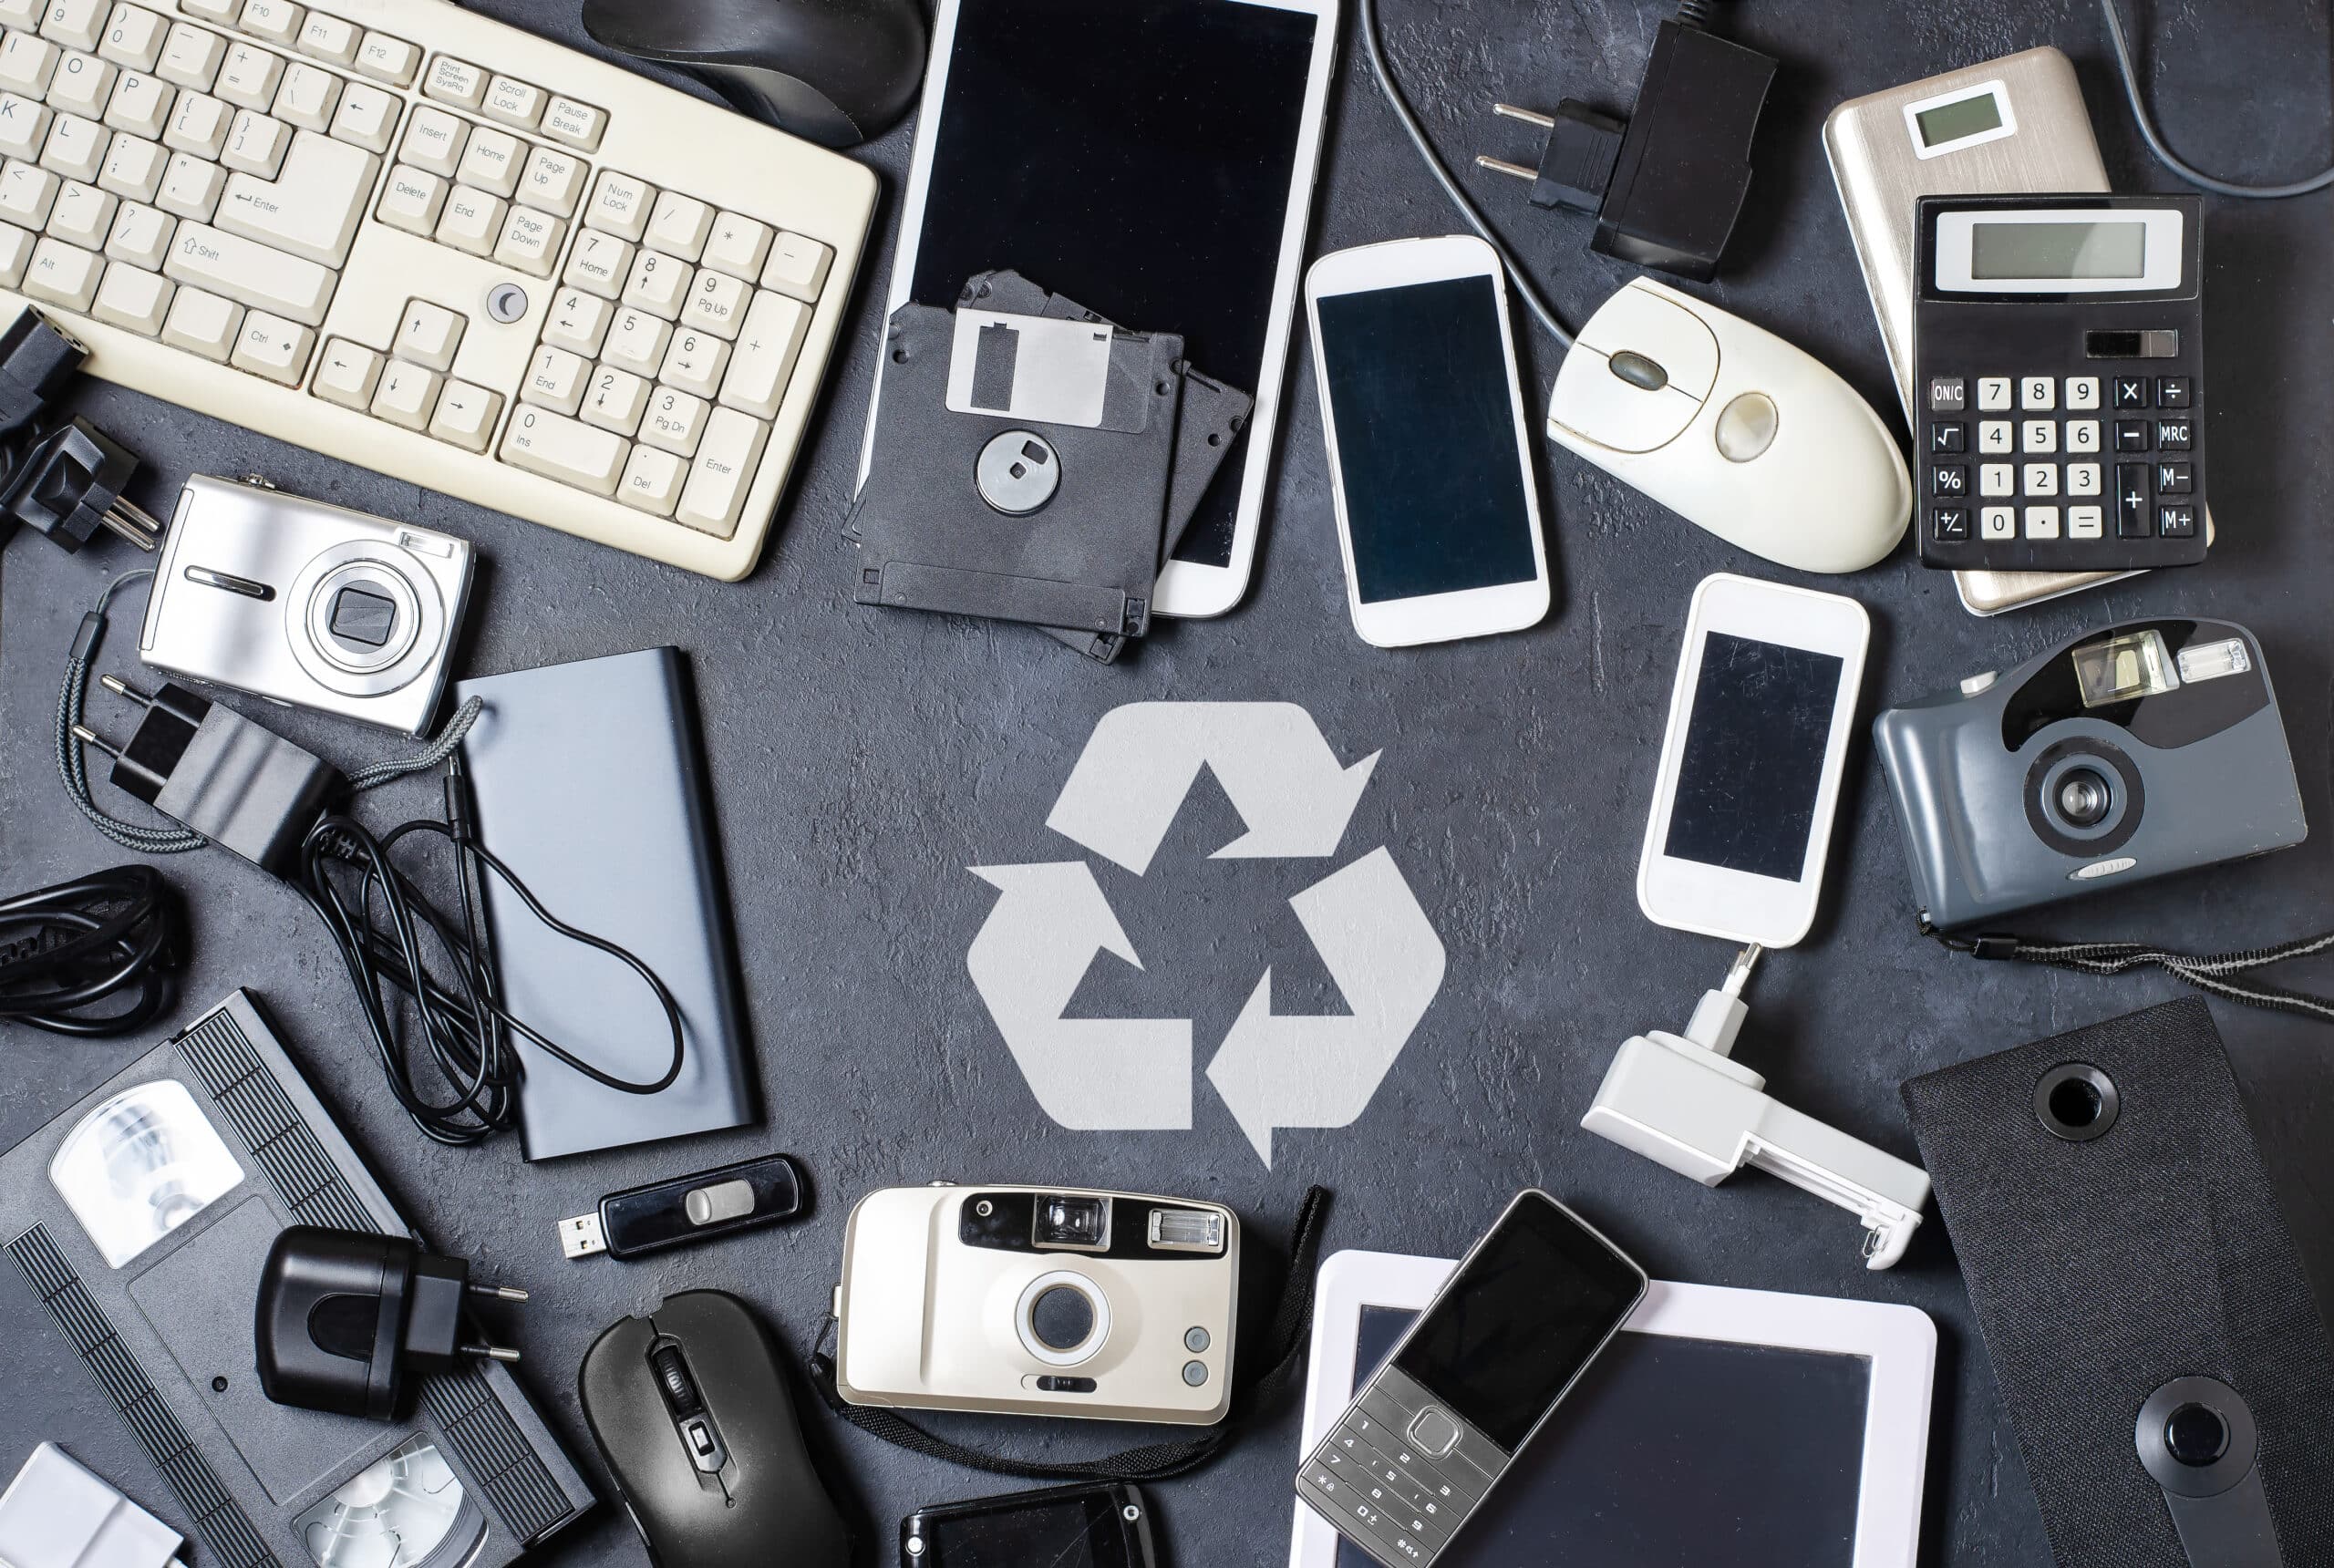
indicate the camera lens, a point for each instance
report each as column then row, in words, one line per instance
column 1067, row 1221
column 1061, row 1318
column 2196, row 1435
column 2084, row 798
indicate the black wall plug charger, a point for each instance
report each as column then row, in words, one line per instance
column 346, row 1321
column 67, row 482
column 214, row 770
column 1667, row 184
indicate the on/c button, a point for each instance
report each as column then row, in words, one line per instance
column 2101, row 869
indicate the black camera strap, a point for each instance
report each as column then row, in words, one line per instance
column 1291, row 1327
column 2210, row 973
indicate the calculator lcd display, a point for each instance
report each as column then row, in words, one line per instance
column 1947, row 122
column 2071, row 250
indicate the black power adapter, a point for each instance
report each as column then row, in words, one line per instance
column 346, row 1321
column 1667, row 184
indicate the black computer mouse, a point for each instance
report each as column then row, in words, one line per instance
column 835, row 71
column 696, row 1422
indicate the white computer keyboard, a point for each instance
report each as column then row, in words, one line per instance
column 421, row 240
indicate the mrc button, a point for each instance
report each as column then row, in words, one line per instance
column 1434, row 1432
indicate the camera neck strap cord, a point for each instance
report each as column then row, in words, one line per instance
column 1292, row 1328
column 2213, row 972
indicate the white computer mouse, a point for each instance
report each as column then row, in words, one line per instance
column 1732, row 429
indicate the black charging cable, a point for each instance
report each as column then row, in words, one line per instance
column 375, row 911
column 2213, row 973
column 2129, row 72
column 68, row 951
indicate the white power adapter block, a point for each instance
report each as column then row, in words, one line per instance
column 56, row 1514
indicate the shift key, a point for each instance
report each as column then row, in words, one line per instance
column 565, row 450
column 250, row 273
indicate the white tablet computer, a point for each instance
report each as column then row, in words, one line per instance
column 1721, row 1429
column 1153, row 161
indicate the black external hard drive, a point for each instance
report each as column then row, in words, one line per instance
column 590, row 783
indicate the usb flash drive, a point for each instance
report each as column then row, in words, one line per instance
column 687, row 1209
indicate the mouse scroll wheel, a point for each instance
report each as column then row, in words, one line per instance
column 1637, row 370
column 673, row 1381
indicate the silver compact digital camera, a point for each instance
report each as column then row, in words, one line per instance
column 1041, row 1301
column 2144, row 749
column 307, row 604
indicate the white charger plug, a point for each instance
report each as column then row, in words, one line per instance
column 1683, row 1100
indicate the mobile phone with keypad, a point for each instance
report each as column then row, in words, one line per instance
column 1479, row 1372
column 2059, row 349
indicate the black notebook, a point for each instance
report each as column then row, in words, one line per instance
column 590, row 784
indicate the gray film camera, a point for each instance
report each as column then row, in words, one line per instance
column 2144, row 749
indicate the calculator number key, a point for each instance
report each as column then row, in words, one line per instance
column 1998, row 523
column 2037, row 393
column 2083, row 435
column 2041, row 478
column 2083, row 394
column 1994, row 436
column 1997, row 478
column 2039, row 435
column 1993, row 394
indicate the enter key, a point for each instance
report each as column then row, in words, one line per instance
column 311, row 208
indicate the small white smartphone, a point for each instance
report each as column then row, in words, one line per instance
column 1429, row 446
column 1760, row 721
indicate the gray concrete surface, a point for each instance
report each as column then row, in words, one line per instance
column 862, row 759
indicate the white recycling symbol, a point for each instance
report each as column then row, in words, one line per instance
column 1273, row 1069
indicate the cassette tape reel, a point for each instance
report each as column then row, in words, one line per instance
column 406, row 1510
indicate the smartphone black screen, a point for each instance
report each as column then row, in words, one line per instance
column 1517, row 1322
column 1135, row 156
column 1426, row 439
column 1753, row 760
column 1060, row 1528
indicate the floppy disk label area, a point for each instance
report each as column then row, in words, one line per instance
column 1046, row 371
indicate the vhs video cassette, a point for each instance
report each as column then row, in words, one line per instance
column 1020, row 469
column 139, row 1219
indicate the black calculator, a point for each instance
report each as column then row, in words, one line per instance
column 2058, row 365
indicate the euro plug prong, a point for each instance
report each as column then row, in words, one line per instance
column 492, row 1352
column 127, row 520
column 1528, row 116
column 497, row 1292
column 120, row 687
column 88, row 736
column 1502, row 166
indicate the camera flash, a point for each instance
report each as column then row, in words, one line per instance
column 1187, row 1230
column 2210, row 661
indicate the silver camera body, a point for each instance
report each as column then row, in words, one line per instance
column 307, row 604
column 2131, row 752
column 1040, row 1301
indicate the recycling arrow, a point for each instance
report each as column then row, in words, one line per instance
column 1276, row 768
column 1026, row 962
column 1275, row 1070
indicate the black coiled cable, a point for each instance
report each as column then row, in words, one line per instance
column 67, row 951
column 377, row 915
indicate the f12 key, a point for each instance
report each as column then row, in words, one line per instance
column 2058, row 352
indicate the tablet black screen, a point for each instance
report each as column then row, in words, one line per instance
column 1672, row 1453
column 1136, row 157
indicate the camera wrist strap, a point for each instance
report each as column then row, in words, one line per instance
column 1291, row 1327
column 2209, row 973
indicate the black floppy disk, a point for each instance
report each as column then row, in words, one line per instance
column 1210, row 415
column 1020, row 469
column 2148, row 1319
column 141, row 1218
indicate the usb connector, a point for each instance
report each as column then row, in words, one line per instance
column 695, row 1208
column 582, row 1236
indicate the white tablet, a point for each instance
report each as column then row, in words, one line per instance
column 1724, row 1428
column 1153, row 161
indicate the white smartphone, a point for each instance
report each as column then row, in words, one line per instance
column 1429, row 446
column 1154, row 162
column 1760, row 721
